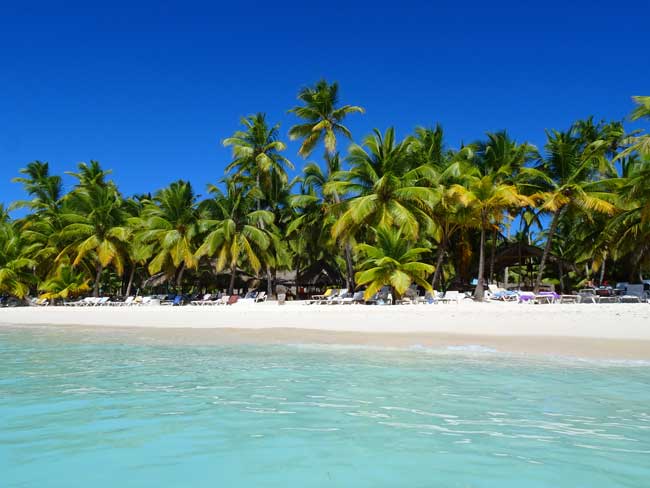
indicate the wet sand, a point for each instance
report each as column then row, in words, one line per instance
column 616, row 331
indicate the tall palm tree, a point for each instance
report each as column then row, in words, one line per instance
column 323, row 115
column 385, row 186
column 393, row 262
column 45, row 189
column 256, row 152
column 489, row 200
column 234, row 229
column 573, row 175
column 171, row 223
column 94, row 223
column 323, row 183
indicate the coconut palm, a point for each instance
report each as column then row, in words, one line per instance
column 45, row 189
column 573, row 175
column 94, row 224
column 386, row 188
column 323, row 115
column 66, row 283
column 257, row 153
column 16, row 275
column 234, row 229
column 170, row 222
column 393, row 262
column 323, row 183
column 639, row 143
column 489, row 200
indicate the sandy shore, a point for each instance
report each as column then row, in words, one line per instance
column 603, row 331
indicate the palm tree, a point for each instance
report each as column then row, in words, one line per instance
column 256, row 152
column 16, row 275
column 170, row 222
column 489, row 200
column 570, row 177
column 234, row 229
column 386, row 186
column 639, row 143
column 324, row 184
column 94, row 224
column 45, row 189
column 324, row 118
column 66, row 283
column 393, row 262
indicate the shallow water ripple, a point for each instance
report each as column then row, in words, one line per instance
column 139, row 415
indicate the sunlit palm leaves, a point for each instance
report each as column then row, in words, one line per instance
column 391, row 261
column 323, row 115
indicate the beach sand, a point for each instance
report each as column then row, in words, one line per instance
column 612, row 331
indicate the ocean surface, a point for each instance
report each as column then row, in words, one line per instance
column 77, row 410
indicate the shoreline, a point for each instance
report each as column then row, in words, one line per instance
column 616, row 331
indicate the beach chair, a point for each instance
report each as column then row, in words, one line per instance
column 102, row 302
column 526, row 297
column 127, row 302
column 502, row 294
column 633, row 294
column 232, row 299
column 569, row 298
column 588, row 295
column 546, row 297
column 356, row 298
column 223, row 300
column 452, row 296
column 338, row 299
column 318, row 298
column 206, row 298
column 260, row 297
column 334, row 297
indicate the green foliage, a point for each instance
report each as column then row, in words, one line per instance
column 389, row 211
column 391, row 261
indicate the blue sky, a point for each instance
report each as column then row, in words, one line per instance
column 151, row 88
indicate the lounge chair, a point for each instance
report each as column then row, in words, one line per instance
column 356, row 298
column 588, row 295
column 206, row 298
column 338, row 299
column 319, row 298
column 260, row 297
column 452, row 296
column 569, row 298
column 126, row 303
column 634, row 294
column 334, row 297
column 502, row 294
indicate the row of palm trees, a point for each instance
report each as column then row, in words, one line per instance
column 388, row 212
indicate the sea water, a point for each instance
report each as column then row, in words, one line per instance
column 82, row 411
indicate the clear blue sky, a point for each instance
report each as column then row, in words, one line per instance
column 151, row 88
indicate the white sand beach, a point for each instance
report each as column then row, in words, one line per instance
column 607, row 331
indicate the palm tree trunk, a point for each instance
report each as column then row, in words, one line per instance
column 439, row 260
column 547, row 251
column 98, row 277
column 348, row 254
column 493, row 254
column 131, row 276
column 179, row 279
column 560, row 272
column 478, row 293
column 233, row 273
column 602, row 269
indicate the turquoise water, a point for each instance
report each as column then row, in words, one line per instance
column 80, row 411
